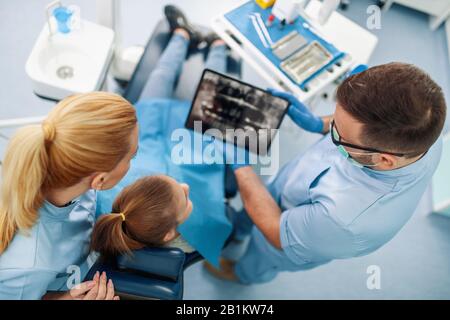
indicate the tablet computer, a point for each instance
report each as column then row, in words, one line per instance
column 227, row 104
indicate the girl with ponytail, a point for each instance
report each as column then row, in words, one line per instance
column 145, row 214
column 47, row 202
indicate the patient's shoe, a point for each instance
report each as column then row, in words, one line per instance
column 225, row 271
column 211, row 37
column 177, row 19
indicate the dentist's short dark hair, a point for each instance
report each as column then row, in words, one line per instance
column 401, row 108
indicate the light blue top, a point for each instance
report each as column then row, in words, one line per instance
column 44, row 259
column 334, row 210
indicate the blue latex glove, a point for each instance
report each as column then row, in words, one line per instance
column 299, row 113
column 234, row 156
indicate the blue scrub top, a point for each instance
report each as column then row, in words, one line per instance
column 45, row 258
column 332, row 209
column 335, row 210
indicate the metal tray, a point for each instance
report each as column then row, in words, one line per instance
column 305, row 63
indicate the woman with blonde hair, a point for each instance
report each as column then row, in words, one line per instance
column 48, row 198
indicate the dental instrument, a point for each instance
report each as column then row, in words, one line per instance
column 259, row 31
column 263, row 28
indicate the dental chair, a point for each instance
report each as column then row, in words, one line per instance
column 158, row 273
column 150, row 273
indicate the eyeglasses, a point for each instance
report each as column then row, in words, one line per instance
column 337, row 140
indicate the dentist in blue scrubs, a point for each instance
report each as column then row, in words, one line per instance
column 354, row 190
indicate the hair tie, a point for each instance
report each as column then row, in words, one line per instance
column 122, row 215
column 49, row 131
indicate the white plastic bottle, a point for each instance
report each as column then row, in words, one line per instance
column 286, row 10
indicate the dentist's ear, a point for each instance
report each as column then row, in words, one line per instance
column 98, row 181
column 388, row 161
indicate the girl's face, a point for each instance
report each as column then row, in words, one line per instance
column 184, row 204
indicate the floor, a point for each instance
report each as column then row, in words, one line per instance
column 415, row 265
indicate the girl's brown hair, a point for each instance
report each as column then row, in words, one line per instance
column 82, row 135
column 143, row 213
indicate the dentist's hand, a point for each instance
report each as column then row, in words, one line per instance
column 299, row 113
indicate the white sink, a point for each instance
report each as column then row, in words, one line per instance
column 63, row 64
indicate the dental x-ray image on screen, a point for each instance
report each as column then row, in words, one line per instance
column 225, row 103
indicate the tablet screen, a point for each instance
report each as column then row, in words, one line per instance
column 227, row 104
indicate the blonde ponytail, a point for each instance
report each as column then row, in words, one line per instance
column 26, row 163
column 82, row 135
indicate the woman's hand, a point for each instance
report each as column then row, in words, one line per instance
column 100, row 288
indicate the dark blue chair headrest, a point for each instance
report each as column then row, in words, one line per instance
column 162, row 262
